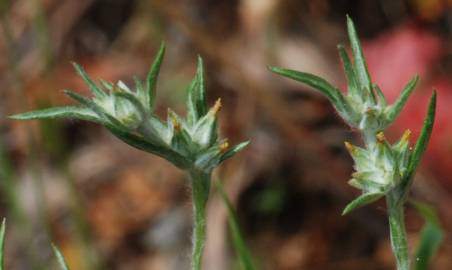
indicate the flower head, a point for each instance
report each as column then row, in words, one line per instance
column 364, row 106
column 380, row 168
column 189, row 143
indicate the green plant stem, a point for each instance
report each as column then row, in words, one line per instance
column 369, row 137
column 200, row 189
column 399, row 242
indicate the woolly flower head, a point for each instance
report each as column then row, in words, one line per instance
column 189, row 143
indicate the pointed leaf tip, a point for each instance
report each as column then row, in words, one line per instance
column 245, row 257
column 360, row 62
column 71, row 112
column 431, row 237
column 424, row 137
column 60, row 258
column 361, row 201
column 91, row 85
column 320, row 84
column 349, row 70
column 151, row 80
column 196, row 99
column 398, row 105
column 201, row 103
column 2, row 243
column 228, row 153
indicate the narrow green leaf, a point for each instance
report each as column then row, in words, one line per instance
column 349, row 71
column 94, row 107
column 421, row 143
column 2, row 243
column 312, row 80
column 200, row 90
column 360, row 62
column 192, row 114
column 234, row 150
column 333, row 94
column 92, row 86
column 196, row 100
column 71, row 112
column 151, row 80
column 397, row 107
column 241, row 248
column 144, row 145
column 381, row 97
column 83, row 100
column 361, row 201
column 201, row 93
column 60, row 258
column 427, row 211
column 431, row 237
column 106, row 85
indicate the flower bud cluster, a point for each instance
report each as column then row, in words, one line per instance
column 120, row 103
column 382, row 166
column 189, row 143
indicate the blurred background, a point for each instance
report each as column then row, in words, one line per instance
column 109, row 206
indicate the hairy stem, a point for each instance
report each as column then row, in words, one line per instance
column 200, row 189
column 369, row 138
column 399, row 243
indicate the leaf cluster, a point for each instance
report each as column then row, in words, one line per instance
column 364, row 106
column 380, row 167
column 189, row 143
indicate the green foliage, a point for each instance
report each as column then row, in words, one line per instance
column 190, row 143
column 362, row 200
column 360, row 63
column 245, row 258
column 431, row 236
column 395, row 109
column 381, row 169
column 364, row 107
column 57, row 252
column 421, row 145
column 59, row 112
column 151, row 80
column 2, row 244
column 60, row 258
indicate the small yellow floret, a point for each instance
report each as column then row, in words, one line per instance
column 176, row 123
column 224, row 146
column 406, row 135
column 350, row 147
column 380, row 137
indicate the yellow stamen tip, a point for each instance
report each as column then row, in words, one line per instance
column 174, row 121
column 380, row 137
column 216, row 106
column 406, row 135
column 349, row 147
column 224, row 146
